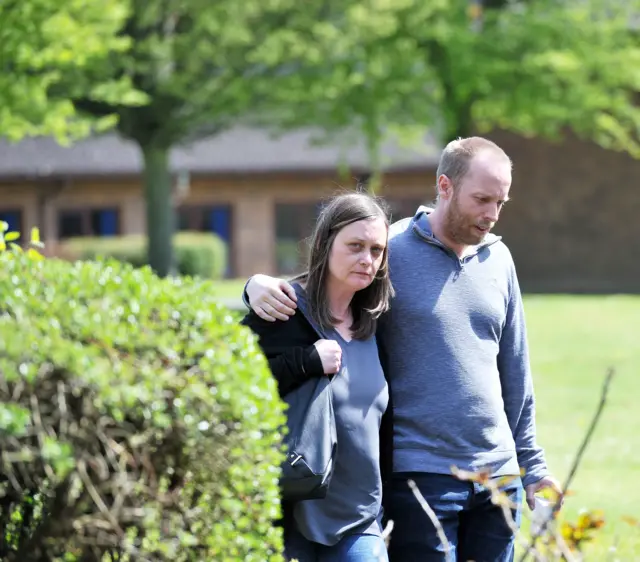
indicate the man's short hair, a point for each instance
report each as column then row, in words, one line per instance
column 457, row 155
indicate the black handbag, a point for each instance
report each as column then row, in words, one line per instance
column 311, row 441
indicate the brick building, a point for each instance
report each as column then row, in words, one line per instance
column 572, row 226
column 259, row 193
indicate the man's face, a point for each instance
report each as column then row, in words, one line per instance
column 475, row 204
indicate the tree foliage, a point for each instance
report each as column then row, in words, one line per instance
column 535, row 67
column 542, row 67
column 51, row 51
column 368, row 67
column 205, row 67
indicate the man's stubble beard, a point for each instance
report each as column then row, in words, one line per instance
column 459, row 228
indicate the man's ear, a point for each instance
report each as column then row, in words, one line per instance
column 445, row 187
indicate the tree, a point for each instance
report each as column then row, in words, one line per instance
column 535, row 67
column 205, row 66
column 369, row 67
column 374, row 75
column 540, row 67
column 47, row 43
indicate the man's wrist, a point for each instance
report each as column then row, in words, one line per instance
column 534, row 477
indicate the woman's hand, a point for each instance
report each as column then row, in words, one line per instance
column 331, row 355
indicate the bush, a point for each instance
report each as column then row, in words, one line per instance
column 196, row 253
column 138, row 420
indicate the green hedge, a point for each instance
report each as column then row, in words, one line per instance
column 196, row 253
column 138, row 420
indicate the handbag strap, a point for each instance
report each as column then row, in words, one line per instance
column 319, row 331
column 303, row 309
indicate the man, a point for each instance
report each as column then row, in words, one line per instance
column 455, row 353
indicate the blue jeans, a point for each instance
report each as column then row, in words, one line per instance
column 475, row 528
column 352, row 548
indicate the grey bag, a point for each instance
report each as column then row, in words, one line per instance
column 311, row 440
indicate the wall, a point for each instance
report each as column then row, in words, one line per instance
column 252, row 198
column 573, row 224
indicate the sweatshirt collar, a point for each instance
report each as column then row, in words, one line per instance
column 422, row 227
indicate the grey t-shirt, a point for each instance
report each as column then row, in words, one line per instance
column 360, row 397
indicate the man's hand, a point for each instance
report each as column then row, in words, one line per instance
column 542, row 484
column 331, row 355
column 271, row 298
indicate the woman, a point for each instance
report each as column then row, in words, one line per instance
column 344, row 290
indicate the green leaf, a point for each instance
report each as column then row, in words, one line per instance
column 53, row 53
column 14, row 419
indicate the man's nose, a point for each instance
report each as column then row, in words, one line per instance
column 492, row 213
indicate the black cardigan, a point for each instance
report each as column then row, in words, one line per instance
column 293, row 359
column 288, row 347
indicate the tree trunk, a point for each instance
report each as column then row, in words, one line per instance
column 372, row 139
column 460, row 122
column 160, row 214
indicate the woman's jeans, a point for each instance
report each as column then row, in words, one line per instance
column 352, row 548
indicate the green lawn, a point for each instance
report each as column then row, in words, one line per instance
column 574, row 339
column 230, row 289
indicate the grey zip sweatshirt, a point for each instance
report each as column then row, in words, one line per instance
column 456, row 357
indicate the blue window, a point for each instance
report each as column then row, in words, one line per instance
column 294, row 226
column 13, row 218
column 88, row 222
column 211, row 218
column 219, row 222
column 105, row 222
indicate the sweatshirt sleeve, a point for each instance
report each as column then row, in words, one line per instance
column 294, row 366
column 517, row 387
column 291, row 359
column 245, row 295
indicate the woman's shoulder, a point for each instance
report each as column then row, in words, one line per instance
column 296, row 324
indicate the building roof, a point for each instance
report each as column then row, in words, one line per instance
column 239, row 150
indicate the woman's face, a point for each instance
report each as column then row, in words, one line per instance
column 357, row 252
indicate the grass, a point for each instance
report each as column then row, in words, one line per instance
column 229, row 290
column 573, row 341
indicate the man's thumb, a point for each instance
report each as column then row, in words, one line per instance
column 531, row 498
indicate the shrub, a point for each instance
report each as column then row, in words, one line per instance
column 138, row 420
column 196, row 253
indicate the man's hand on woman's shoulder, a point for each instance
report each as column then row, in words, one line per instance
column 271, row 298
